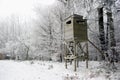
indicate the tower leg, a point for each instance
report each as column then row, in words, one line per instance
column 75, row 65
column 87, row 55
column 77, row 54
column 75, row 60
column 65, row 63
column 66, row 56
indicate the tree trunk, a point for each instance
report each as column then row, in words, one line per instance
column 27, row 53
column 112, row 40
column 101, row 31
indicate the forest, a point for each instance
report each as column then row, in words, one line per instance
column 35, row 32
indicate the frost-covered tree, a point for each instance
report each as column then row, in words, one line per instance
column 14, row 36
column 45, row 32
column 49, row 29
column 58, row 11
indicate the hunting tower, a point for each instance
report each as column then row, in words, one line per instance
column 75, row 33
column 75, row 28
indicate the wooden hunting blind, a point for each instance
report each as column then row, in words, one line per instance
column 75, row 28
column 75, row 33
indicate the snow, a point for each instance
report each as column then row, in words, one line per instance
column 45, row 70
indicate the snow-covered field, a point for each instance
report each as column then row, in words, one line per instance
column 42, row 70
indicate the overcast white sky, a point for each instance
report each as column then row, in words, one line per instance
column 21, row 7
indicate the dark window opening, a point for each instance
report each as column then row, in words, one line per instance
column 79, row 21
column 69, row 22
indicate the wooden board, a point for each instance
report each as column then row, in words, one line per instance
column 75, row 29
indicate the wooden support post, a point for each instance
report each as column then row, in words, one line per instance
column 66, row 63
column 77, row 54
column 75, row 65
column 87, row 55
column 77, row 62
column 66, row 56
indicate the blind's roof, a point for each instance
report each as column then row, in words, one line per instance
column 74, row 16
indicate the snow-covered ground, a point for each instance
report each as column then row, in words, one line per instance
column 42, row 70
